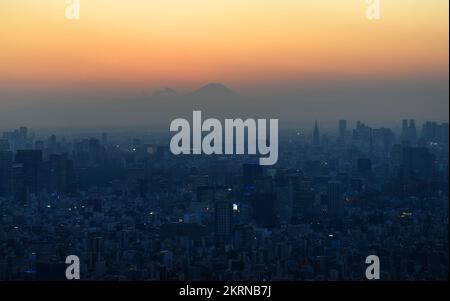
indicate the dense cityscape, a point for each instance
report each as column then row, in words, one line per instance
column 131, row 210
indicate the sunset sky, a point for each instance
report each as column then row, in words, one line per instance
column 153, row 43
column 305, row 59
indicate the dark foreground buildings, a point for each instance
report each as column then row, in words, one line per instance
column 131, row 210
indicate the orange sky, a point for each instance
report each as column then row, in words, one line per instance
column 186, row 43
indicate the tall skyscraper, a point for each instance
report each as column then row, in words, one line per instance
column 418, row 163
column 19, row 188
column 4, row 145
column 39, row 145
column 435, row 133
column 59, row 172
column 223, row 221
column 405, row 135
column 5, row 173
column 302, row 194
column 32, row 164
column 342, row 131
column 104, row 139
column 412, row 131
column 23, row 132
column 51, row 144
column 335, row 200
column 409, row 131
column 316, row 134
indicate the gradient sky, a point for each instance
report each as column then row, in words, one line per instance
column 137, row 45
column 179, row 42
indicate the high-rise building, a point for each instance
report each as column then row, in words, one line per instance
column 302, row 193
column 244, row 237
column 5, row 173
column 4, row 145
column 316, row 134
column 39, row 145
column 432, row 132
column 405, row 130
column 32, row 168
column 59, row 174
column 23, row 132
column 409, row 131
column 335, row 200
column 418, row 162
column 19, row 188
column 412, row 131
column 342, row 131
column 104, row 139
column 223, row 220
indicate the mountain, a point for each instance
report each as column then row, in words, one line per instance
column 165, row 92
column 214, row 90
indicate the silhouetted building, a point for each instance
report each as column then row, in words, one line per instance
column 302, row 193
column 432, row 132
column 20, row 189
column 223, row 221
column 60, row 174
column 342, row 131
column 418, row 162
column 335, row 201
column 4, row 145
column 316, row 134
column 32, row 164
column 5, row 173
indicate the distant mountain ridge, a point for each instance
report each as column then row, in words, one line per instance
column 214, row 90
column 165, row 92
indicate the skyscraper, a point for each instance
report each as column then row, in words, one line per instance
column 223, row 221
column 302, row 194
column 5, row 173
column 335, row 201
column 4, row 145
column 412, row 131
column 23, row 133
column 19, row 189
column 409, row 131
column 32, row 163
column 316, row 135
column 104, row 139
column 405, row 136
column 59, row 171
column 342, row 131
column 418, row 163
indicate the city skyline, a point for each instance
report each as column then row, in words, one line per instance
column 131, row 210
